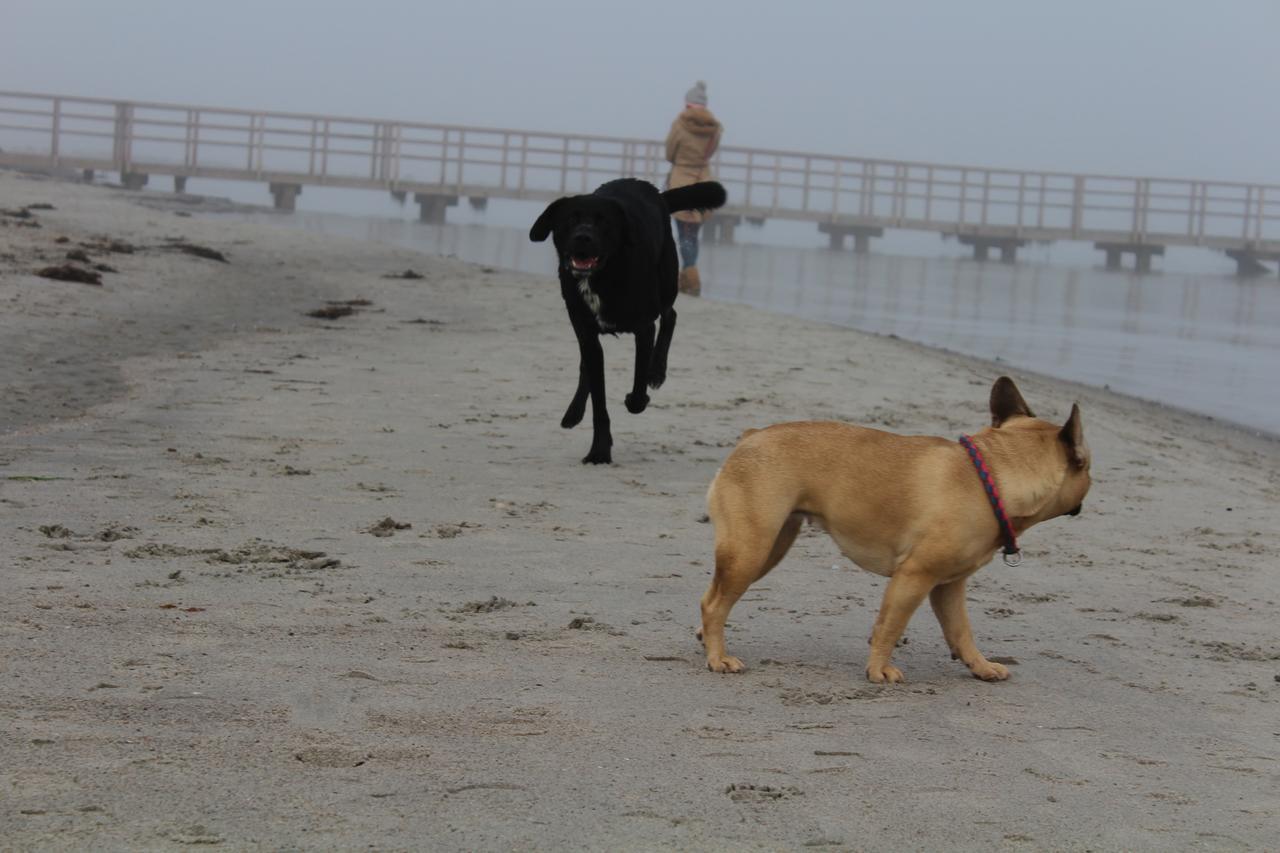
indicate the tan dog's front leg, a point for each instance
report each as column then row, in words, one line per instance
column 949, row 606
column 906, row 590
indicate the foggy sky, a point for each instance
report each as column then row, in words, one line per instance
column 1171, row 88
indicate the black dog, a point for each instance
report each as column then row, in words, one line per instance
column 618, row 273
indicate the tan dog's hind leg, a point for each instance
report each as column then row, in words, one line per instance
column 906, row 590
column 949, row 606
column 740, row 562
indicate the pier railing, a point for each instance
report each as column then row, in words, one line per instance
column 187, row 141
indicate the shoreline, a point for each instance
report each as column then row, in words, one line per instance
column 219, row 207
column 1256, row 431
column 1153, row 407
column 345, row 580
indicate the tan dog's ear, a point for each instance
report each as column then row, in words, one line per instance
column 1072, row 435
column 1006, row 401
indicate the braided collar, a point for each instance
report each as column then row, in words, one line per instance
column 1012, row 554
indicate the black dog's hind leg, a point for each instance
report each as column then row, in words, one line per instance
column 578, row 405
column 658, row 366
column 592, row 370
column 638, row 399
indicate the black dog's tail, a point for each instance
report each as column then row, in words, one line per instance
column 707, row 195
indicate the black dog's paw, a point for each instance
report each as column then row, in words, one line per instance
column 657, row 375
column 573, row 416
column 598, row 457
column 636, row 403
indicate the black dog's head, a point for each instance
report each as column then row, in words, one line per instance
column 587, row 230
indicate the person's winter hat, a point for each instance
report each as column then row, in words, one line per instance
column 697, row 95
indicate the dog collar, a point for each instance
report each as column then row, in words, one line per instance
column 1012, row 554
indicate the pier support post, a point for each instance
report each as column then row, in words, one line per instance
column 1249, row 262
column 285, row 196
column 479, row 203
column 134, row 180
column 431, row 207
column 87, row 176
column 1142, row 254
column 179, row 184
column 718, row 228
column 983, row 244
column 861, row 234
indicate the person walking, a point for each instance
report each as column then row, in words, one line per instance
column 692, row 142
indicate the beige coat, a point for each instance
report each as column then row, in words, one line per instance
column 694, row 137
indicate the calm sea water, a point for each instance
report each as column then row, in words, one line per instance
column 1207, row 343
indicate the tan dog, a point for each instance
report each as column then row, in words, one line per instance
column 911, row 508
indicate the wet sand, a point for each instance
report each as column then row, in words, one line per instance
column 1201, row 341
column 271, row 580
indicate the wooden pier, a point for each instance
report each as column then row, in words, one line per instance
column 439, row 164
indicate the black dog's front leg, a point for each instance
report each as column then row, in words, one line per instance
column 638, row 399
column 592, row 371
column 578, row 405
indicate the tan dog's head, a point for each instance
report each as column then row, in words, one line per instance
column 1071, row 458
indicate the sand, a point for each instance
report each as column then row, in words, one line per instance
column 271, row 581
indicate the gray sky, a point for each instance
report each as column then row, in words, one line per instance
column 1168, row 88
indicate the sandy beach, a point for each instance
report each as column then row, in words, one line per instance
column 273, row 581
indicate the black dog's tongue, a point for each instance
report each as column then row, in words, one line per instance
column 584, row 263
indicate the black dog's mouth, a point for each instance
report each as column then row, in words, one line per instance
column 584, row 263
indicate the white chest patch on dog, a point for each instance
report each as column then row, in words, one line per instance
column 592, row 299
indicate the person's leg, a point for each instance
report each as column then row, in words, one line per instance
column 688, row 234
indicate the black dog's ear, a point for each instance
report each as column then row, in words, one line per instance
column 1006, row 401
column 542, row 228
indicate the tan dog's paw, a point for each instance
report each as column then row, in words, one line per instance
column 988, row 671
column 726, row 664
column 887, row 674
